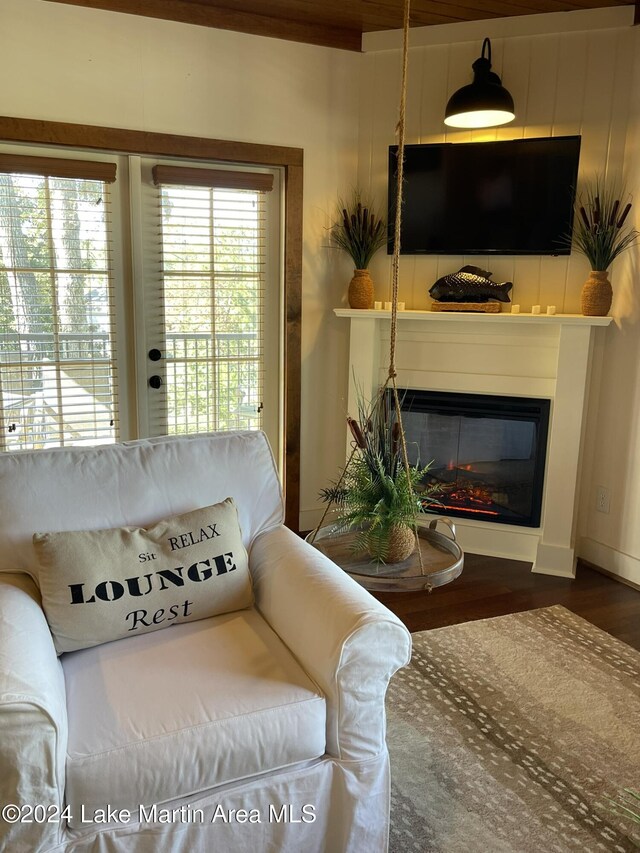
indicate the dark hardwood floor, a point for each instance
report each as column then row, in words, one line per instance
column 489, row 586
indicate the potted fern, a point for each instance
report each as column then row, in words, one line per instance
column 601, row 233
column 375, row 496
column 360, row 232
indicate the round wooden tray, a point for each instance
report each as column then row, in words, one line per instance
column 442, row 559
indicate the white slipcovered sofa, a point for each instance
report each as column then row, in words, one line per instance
column 259, row 730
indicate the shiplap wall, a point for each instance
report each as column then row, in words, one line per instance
column 563, row 83
column 565, row 78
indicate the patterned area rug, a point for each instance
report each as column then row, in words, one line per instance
column 508, row 734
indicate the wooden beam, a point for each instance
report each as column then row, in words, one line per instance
column 210, row 15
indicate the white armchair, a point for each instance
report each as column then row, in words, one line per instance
column 259, row 730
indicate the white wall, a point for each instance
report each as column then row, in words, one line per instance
column 571, row 73
column 64, row 63
column 612, row 540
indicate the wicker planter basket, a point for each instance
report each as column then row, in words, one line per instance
column 596, row 294
column 402, row 541
column 361, row 290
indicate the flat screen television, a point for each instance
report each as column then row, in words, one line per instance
column 511, row 197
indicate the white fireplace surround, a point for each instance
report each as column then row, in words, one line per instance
column 518, row 355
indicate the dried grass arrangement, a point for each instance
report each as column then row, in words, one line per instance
column 601, row 231
column 358, row 230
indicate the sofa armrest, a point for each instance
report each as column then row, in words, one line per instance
column 348, row 642
column 33, row 716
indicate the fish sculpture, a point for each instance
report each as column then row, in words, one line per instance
column 470, row 284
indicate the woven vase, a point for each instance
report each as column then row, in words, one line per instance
column 402, row 541
column 596, row 294
column 361, row 290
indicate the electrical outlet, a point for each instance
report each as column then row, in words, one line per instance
column 603, row 499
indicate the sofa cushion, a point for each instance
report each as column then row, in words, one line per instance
column 103, row 585
column 163, row 715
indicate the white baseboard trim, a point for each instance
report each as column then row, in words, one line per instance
column 556, row 560
column 613, row 562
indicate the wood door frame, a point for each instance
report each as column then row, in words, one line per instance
column 121, row 141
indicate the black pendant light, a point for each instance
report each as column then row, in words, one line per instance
column 483, row 103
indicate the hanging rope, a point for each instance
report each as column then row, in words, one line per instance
column 400, row 130
column 391, row 377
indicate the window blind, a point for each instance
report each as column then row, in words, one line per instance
column 53, row 167
column 214, row 178
column 58, row 383
column 213, row 280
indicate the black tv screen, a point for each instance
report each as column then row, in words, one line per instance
column 513, row 197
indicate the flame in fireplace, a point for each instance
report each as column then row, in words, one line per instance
column 470, row 498
column 470, row 509
column 474, row 494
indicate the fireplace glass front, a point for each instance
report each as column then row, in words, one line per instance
column 486, row 453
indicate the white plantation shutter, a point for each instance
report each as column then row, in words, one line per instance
column 212, row 232
column 57, row 365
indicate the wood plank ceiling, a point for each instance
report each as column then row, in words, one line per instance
column 333, row 23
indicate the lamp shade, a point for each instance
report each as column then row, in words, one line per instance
column 483, row 103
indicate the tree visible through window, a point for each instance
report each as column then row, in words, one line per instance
column 213, row 291
column 57, row 371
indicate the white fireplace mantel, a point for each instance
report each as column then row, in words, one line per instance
column 520, row 355
column 475, row 318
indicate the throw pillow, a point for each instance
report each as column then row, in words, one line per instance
column 103, row 585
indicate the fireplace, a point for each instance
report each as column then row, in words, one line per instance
column 486, row 453
column 522, row 357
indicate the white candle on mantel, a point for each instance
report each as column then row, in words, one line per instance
column 387, row 306
column 377, row 306
column 400, row 306
column 515, row 309
column 535, row 309
column 551, row 309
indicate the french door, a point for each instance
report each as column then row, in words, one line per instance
column 166, row 322
column 208, row 259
